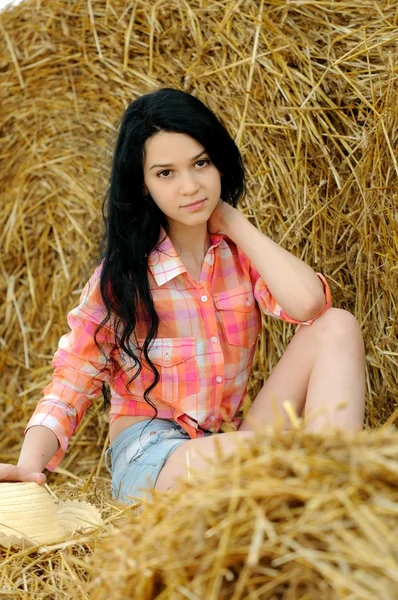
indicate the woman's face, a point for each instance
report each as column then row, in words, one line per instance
column 178, row 172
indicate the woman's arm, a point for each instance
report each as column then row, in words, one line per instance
column 40, row 444
column 80, row 369
column 293, row 284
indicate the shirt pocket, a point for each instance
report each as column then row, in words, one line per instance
column 175, row 359
column 239, row 315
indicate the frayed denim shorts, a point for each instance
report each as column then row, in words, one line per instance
column 138, row 454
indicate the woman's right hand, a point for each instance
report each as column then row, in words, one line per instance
column 15, row 473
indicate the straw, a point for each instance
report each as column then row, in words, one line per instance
column 309, row 90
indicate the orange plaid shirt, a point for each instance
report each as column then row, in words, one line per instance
column 203, row 352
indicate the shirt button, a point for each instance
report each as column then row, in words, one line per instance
column 212, row 418
column 204, row 298
column 214, row 339
column 209, row 260
column 167, row 356
column 219, row 379
column 248, row 302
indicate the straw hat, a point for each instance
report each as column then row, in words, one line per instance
column 29, row 515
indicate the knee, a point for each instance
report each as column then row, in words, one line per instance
column 339, row 323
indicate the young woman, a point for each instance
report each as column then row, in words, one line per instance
column 171, row 316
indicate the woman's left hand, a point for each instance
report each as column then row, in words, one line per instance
column 221, row 217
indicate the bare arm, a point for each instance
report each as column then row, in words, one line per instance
column 39, row 446
column 293, row 284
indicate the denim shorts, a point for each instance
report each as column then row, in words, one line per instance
column 136, row 456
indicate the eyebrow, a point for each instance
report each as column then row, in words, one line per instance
column 170, row 164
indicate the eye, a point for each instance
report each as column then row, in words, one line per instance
column 165, row 174
column 162, row 172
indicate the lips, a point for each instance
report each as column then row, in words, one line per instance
column 194, row 203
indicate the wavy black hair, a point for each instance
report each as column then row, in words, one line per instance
column 132, row 220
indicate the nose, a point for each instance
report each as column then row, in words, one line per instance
column 188, row 184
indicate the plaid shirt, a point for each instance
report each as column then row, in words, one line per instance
column 203, row 351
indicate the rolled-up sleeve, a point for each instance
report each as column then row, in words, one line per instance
column 269, row 306
column 80, row 369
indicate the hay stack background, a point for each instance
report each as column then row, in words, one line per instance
column 309, row 90
column 302, row 516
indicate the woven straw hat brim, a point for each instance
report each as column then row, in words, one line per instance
column 29, row 514
column 75, row 515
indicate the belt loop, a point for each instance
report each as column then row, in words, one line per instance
column 107, row 452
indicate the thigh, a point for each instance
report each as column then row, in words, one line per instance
column 138, row 455
column 289, row 380
column 192, row 456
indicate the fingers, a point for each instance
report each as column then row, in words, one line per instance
column 14, row 473
column 8, row 472
column 39, row 478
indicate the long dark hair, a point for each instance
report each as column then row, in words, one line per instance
column 133, row 220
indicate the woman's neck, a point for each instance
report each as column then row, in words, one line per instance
column 191, row 243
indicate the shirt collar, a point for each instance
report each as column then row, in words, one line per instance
column 164, row 262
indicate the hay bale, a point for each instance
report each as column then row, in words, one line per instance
column 295, row 516
column 290, row 517
column 309, row 90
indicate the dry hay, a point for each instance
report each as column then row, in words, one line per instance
column 57, row 571
column 310, row 97
column 295, row 516
column 309, row 91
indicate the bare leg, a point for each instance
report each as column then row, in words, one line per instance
column 322, row 367
column 321, row 373
column 193, row 453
